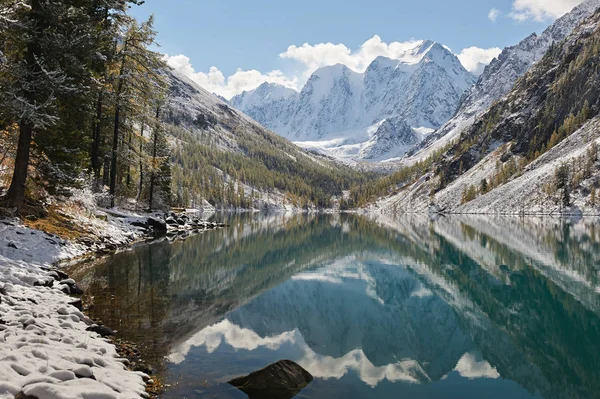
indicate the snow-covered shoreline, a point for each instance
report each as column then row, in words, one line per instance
column 47, row 350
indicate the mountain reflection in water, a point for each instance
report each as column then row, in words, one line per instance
column 372, row 307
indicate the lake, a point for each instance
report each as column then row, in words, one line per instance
column 372, row 307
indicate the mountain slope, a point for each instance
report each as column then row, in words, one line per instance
column 338, row 107
column 392, row 137
column 527, row 153
column 500, row 76
column 223, row 156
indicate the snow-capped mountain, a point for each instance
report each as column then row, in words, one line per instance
column 502, row 73
column 198, row 121
column 338, row 108
column 268, row 102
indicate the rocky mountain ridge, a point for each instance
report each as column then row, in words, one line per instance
column 500, row 76
column 533, row 152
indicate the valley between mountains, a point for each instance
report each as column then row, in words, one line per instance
column 413, row 133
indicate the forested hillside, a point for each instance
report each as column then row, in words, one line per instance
column 88, row 102
column 221, row 155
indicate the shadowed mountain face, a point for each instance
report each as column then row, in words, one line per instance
column 455, row 307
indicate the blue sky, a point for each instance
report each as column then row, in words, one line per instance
column 233, row 37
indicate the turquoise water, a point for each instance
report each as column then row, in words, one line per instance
column 457, row 307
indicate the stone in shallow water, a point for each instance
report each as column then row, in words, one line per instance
column 158, row 225
column 281, row 380
column 103, row 331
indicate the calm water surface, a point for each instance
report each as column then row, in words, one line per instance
column 459, row 307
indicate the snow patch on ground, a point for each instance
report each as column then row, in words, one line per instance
column 45, row 350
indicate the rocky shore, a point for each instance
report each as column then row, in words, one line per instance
column 48, row 347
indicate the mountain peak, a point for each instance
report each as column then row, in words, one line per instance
column 383, row 62
column 332, row 71
column 425, row 51
column 274, row 90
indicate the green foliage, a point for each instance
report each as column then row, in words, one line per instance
column 504, row 172
column 547, row 105
column 484, row 186
column 223, row 178
column 469, row 194
column 563, row 183
column 363, row 194
column 73, row 72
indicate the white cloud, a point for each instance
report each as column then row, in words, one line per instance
column 474, row 59
column 493, row 14
column 324, row 54
column 541, row 10
column 312, row 57
column 215, row 82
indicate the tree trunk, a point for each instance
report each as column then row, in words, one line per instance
column 113, row 160
column 128, row 160
column 16, row 193
column 141, row 158
column 154, row 149
column 96, row 133
column 115, row 146
column 106, row 171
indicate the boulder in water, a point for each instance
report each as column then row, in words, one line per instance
column 281, row 380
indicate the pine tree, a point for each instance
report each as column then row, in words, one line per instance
column 484, row 186
column 137, row 76
column 160, row 168
column 107, row 17
column 40, row 67
column 563, row 183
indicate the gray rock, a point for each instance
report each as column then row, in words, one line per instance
column 74, row 289
column 77, row 303
column 158, row 225
column 103, row 331
column 21, row 395
column 137, row 223
column 61, row 275
column 281, row 380
column 171, row 221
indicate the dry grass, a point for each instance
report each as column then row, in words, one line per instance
column 56, row 222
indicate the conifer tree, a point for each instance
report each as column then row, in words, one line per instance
column 160, row 167
column 33, row 74
column 107, row 18
column 137, row 77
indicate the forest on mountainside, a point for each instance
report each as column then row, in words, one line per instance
column 232, row 179
column 546, row 106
